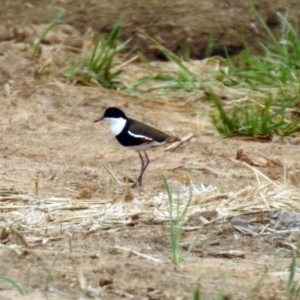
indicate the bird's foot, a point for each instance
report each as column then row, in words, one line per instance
column 136, row 184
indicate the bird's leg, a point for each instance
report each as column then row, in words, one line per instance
column 140, row 178
column 144, row 167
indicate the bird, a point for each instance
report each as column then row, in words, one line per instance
column 135, row 135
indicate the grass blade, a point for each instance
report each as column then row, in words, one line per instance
column 52, row 24
column 12, row 283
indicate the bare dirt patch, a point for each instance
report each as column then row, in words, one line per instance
column 63, row 215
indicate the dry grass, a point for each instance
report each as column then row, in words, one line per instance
column 85, row 215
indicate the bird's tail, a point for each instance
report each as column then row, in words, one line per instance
column 172, row 139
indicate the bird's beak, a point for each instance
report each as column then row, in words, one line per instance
column 98, row 120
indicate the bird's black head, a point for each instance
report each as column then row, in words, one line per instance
column 112, row 112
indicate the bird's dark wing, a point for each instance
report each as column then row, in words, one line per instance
column 148, row 133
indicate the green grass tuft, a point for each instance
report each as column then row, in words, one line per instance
column 52, row 24
column 176, row 225
column 197, row 293
column 254, row 119
column 293, row 285
column 277, row 72
column 184, row 80
column 100, row 65
column 271, row 83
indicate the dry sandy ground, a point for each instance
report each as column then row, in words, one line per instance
column 205, row 26
column 69, row 230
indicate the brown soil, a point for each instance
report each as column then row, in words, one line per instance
column 173, row 23
column 63, row 217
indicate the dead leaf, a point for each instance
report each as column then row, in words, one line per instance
column 293, row 178
column 4, row 235
column 183, row 178
column 19, row 238
column 127, row 196
column 252, row 160
column 105, row 280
